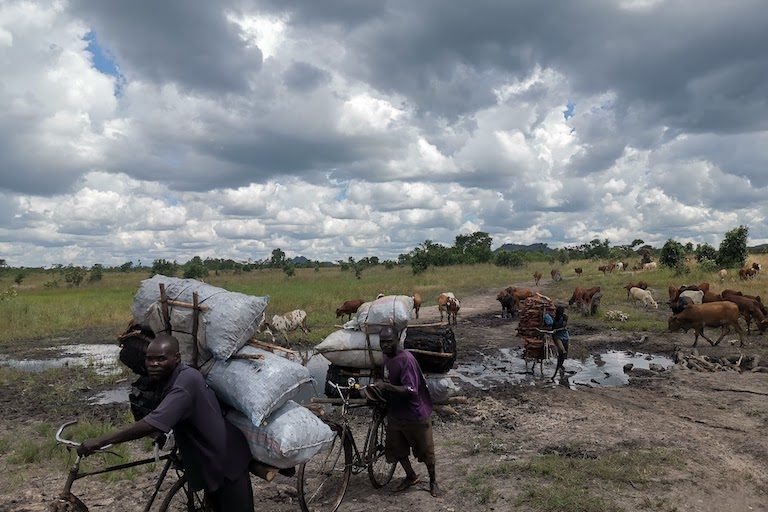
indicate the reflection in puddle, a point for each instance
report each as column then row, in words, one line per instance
column 102, row 358
column 110, row 396
column 599, row 370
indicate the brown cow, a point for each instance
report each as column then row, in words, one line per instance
column 578, row 271
column 508, row 303
column 555, row 274
column 703, row 287
column 577, row 292
column 747, row 273
column 749, row 309
column 711, row 297
column 349, row 308
column 536, row 277
column 416, row 303
column 754, row 297
column 442, row 301
column 587, row 299
column 452, row 307
column 714, row 314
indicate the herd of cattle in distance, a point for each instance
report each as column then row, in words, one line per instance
column 693, row 306
column 447, row 304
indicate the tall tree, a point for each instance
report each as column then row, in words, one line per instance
column 733, row 248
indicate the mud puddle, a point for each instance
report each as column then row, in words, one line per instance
column 506, row 366
column 101, row 357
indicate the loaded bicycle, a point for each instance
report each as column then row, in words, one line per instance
column 177, row 499
column 323, row 480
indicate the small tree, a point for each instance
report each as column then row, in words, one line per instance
column 74, row 275
column 278, row 258
column 19, row 278
column 195, row 269
column 672, row 254
column 733, row 248
column 705, row 252
column 419, row 262
column 164, row 267
column 510, row 259
column 97, row 272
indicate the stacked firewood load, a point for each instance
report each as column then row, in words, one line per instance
column 532, row 317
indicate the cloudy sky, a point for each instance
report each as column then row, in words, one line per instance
column 144, row 129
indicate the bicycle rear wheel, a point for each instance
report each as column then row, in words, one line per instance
column 322, row 481
column 181, row 499
column 379, row 470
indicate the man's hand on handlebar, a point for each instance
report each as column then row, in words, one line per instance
column 87, row 447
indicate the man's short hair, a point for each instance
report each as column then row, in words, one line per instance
column 167, row 339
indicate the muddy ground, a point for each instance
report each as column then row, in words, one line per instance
column 675, row 440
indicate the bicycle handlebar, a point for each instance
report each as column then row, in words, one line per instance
column 69, row 442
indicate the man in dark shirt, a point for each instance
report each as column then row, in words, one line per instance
column 409, row 411
column 214, row 453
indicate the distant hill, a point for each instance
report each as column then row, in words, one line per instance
column 300, row 260
column 758, row 248
column 526, row 248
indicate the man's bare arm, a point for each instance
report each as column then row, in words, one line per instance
column 133, row 431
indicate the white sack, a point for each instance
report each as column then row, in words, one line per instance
column 227, row 324
column 288, row 437
column 256, row 387
column 346, row 347
column 441, row 387
column 389, row 310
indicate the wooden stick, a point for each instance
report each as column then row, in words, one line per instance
column 262, row 470
column 253, row 357
column 338, row 401
column 195, row 323
column 740, row 391
column 164, row 309
column 430, row 353
column 269, row 346
column 180, row 304
column 436, row 324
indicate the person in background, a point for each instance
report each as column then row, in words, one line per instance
column 409, row 412
column 560, row 336
column 214, row 453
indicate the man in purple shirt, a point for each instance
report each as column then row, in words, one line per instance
column 214, row 453
column 409, row 412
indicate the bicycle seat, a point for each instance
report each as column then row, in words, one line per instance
column 374, row 395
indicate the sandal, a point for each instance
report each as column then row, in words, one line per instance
column 406, row 483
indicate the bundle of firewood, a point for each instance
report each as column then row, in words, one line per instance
column 532, row 315
column 707, row 363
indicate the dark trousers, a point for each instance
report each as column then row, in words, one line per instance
column 233, row 496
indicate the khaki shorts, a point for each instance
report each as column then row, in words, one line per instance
column 406, row 436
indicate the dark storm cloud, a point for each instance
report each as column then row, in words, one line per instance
column 191, row 44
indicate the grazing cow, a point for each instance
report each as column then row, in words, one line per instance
column 640, row 284
column 442, row 301
column 673, row 293
column 578, row 271
column 555, row 274
column 747, row 273
column 416, row 303
column 644, row 296
column 722, row 274
column 754, row 297
column 576, row 297
column 649, row 266
column 349, row 307
column 452, row 307
column 711, row 297
column 508, row 303
column 714, row 314
column 536, row 277
column 703, row 287
column 587, row 299
column 607, row 269
column 757, row 267
column 749, row 308
column 296, row 319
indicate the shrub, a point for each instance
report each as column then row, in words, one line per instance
column 672, row 254
column 733, row 248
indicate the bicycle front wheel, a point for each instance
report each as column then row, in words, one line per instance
column 181, row 499
column 379, row 470
column 68, row 503
column 323, row 480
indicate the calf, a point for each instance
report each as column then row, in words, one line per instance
column 722, row 274
column 296, row 319
column 442, row 301
column 641, row 284
column 644, row 296
column 650, row 266
column 714, row 314
column 749, row 309
column 555, row 274
column 757, row 267
column 416, row 303
column 452, row 307
column 747, row 273
column 536, row 277
column 578, row 271
column 508, row 303
column 697, row 296
column 350, row 307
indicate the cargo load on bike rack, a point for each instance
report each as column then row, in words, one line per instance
column 531, row 322
column 215, row 328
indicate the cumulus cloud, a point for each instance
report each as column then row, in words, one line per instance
column 141, row 130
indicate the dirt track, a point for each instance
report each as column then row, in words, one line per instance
column 703, row 432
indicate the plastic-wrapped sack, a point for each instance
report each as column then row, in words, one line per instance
column 290, row 436
column 228, row 322
column 257, row 382
column 441, row 387
column 393, row 310
column 181, row 324
column 350, row 348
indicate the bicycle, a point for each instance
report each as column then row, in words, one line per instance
column 178, row 499
column 323, row 480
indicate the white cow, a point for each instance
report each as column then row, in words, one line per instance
column 649, row 266
column 296, row 319
column 442, row 301
column 697, row 296
column 644, row 296
column 722, row 273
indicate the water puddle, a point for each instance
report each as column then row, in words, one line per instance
column 102, row 358
column 599, row 370
column 110, row 396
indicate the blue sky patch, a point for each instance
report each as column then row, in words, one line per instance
column 569, row 108
column 104, row 61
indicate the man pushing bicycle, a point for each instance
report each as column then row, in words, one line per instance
column 409, row 412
